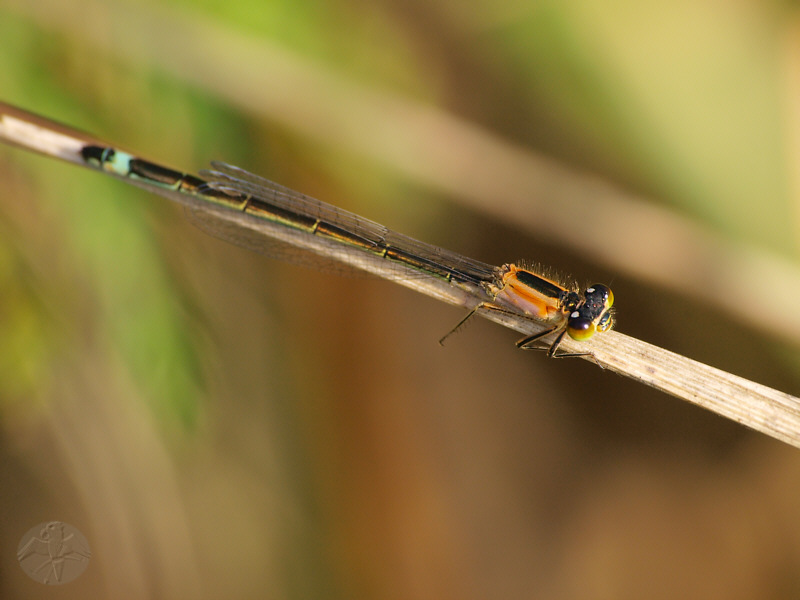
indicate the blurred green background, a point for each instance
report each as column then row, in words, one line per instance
column 219, row 424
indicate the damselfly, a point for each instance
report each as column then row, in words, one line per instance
column 267, row 212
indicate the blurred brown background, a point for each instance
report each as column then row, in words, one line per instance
column 219, row 424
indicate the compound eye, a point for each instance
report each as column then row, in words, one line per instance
column 600, row 293
column 580, row 328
